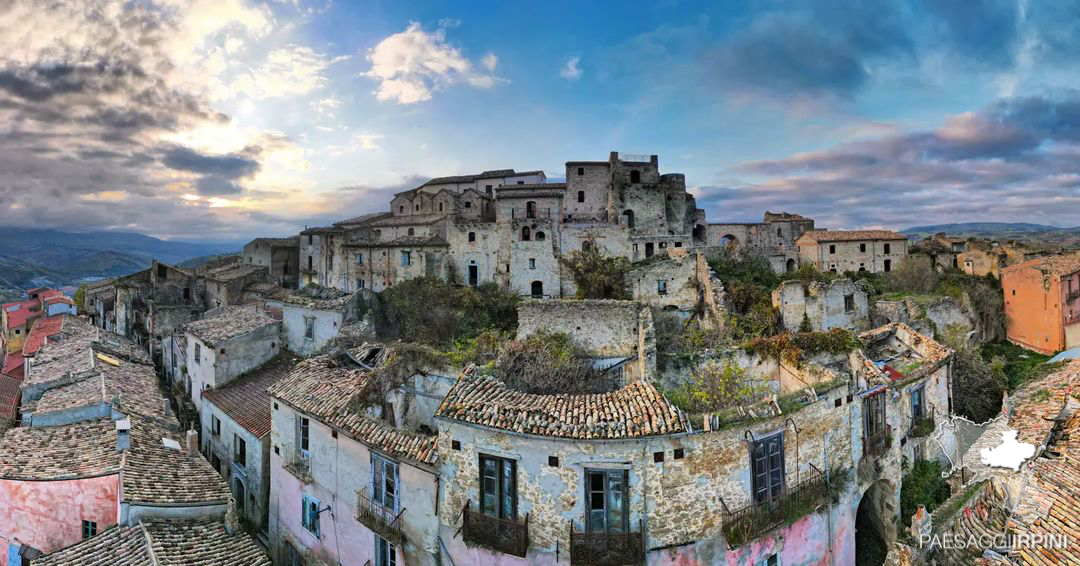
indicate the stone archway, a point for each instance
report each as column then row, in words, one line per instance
column 699, row 235
column 791, row 265
column 729, row 241
column 875, row 526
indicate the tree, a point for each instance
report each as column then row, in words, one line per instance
column 596, row 275
column 80, row 299
column 914, row 274
column 430, row 311
column 977, row 384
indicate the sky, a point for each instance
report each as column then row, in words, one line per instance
column 220, row 120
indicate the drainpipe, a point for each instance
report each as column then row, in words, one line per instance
column 645, row 499
column 828, row 514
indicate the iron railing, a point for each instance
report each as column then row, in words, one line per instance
column 526, row 214
column 922, row 426
column 382, row 520
column 297, row 463
column 504, row 535
column 878, row 443
column 750, row 522
column 606, row 548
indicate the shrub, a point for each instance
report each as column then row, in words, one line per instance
column 548, row 363
column 790, row 348
column 715, row 385
column 596, row 275
column 429, row 311
column 913, row 274
column 978, row 384
column 923, row 485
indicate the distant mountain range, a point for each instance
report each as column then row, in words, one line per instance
column 988, row 229
column 35, row 257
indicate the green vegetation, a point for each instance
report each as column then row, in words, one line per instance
column 80, row 299
column 596, row 275
column 714, row 385
column 429, row 311
column 922, row 485
column 1019, row 365
column 749, row 283
column 949, row 509
column 791, row 347
column 978, row 384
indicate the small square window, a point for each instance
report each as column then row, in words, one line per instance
column 89, row 529
column 832, row 248
column 849, row 398
column 580, row 170
column 839, row 401
column 277, row 450
column 658, row 457
column 532, row 263
column 679, row 454
column 553, row 461
column 333, row 434
column 455, row 445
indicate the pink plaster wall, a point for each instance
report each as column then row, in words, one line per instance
column 48, row 515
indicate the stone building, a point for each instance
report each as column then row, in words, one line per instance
column 876, row 251
column 840, row 303
column 773, row 238
column 680, row 283
column 228, row 344
column 281, row 257
column 17, row 318
column 310, row 317
column 1042, row 303
column 235, row 428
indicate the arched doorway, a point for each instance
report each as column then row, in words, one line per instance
column 730, row 241
column 790, row 266
column 628, row 218
column 874, row 524
column 537, row 289
column 699, row 234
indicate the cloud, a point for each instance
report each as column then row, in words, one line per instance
column 1014, row 159
column 570, row 70
column 413, row 64
column 290, row 71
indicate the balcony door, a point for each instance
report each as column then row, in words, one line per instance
column 498, row 487
column 606, row 495
column 384, row 481
column 767, row 468
column 918, row 403
column 874, row 415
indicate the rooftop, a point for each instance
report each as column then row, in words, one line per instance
column 362, row 219
column 21, row 312
column 289, row 242
column 635, row 410
column 407, row 220
column 229, row 323
column 312, row 296
column 156, row 474
column 80, row 450
column 850, row 235
column 131, row 387
column 328, row 388
column 13, row 366
column 246, row 400
column 9, row 400
column 189, row 542
column 43, row 328
column 231, row 272
column 1062, row 264
column 493, row 174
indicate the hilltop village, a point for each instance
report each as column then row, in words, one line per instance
column 505, row 370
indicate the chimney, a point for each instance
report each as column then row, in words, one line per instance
column 192, row 439
column 123, row 434
column 232, row 525
column 165, row 407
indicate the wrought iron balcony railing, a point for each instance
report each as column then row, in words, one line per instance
column 504, row 535
column 922, row 426
column 750, row 522
column 606, row 548
column 382, row 520
column 297, row 463
column 877, row 444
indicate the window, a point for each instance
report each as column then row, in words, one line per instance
column 89, row 529
column 412, row 232
column 468, row 204
column 849, row 303
column 648, row 249
column 215, row 462
column 384, row 481
column 526, row 234
column 874, row 415
column 635, row 176
column 888, row 265
column 359, row 259
column 417, row 207
column 309, row 517
column 163, row 272
column 661, row 286
column 767, row 468
column 292, row 557
column 580, row 170
column 521, row 182
column 832, row 248
column 530, row 209
column 406, row 258
column 532, row 263
column 239, row 450
column 605, row 496
column 385, row 553
column 401, row 209
column 198, row 352
column 771, row 560
column 537, row 290
column 215, row 426
column 487, row 188
column 239, row 490
column 472, row 236
column 779, row 232
column 309, row 239
column 360, row 283
column 440, row 207
column 540, row 236
column 862, row 248
column 918, row 403
column 498, row 487
column 303, row 433
column 309, row 328
column 309, row 263
column 581, row 196
column 888, row 248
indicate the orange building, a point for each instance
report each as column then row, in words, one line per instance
column 1042, row 303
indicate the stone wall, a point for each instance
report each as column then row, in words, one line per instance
column 875, row 256
column 840, row 303
column 601, row 327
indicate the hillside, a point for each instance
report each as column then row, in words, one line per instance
column 50, row 257
column 985, row 229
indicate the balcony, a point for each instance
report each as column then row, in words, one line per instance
column 297, row 463
column 504, row 535
column 381, row 520
column 606, row 549
column 876, row 445
column 922, row 426
column 750, row 522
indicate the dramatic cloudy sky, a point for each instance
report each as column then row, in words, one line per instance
column 222, row 119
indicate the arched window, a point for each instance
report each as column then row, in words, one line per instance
column 586, row 245
column 581, row 196
column 537, row 289
column 472, row 236
column 412, row 231
column 635, row 176
column 401, row 209
column 540, row 235
column 526, row 234
column 530, row 209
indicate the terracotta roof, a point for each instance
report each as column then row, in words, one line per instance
column 362, row 219
column 493, row 174
column 39, row 333
column 229, row 323
column 14, row 364
column 232, row 272
column 635, row 410
column 9, row 400
column 1033, row 407
column 246, row 401
column 79, row 450
column 850, row 235
column 289, row 242
column 326, row 388
column 312, row 296
column 407, row 220
column 161, row 542
column 156, row 474
column 1063, row 264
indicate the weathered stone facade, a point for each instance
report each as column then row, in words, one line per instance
column 840, row 303
column 876, row 251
